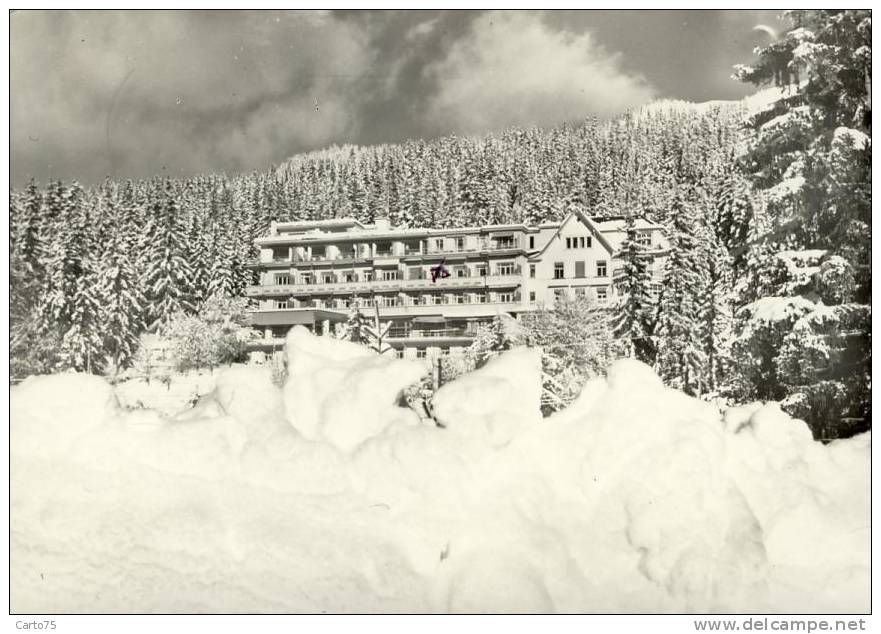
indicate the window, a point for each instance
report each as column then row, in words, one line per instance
column 461, row 271
column 389, row 275
column 588, row 240
column 532, row 270
column 460, row 244
column 481, row 270
column 568, row 243
column 447, row 299
column 579, row 292
column 480, row 298
column 328, row 279
column 505, row 242
column 559, row 294
column 439, row 244
column 644, row 238
column 281, row 304
column 532, row 296
column 602, row 294
column 399, row 353
column 505, row 268
column 283, row 279
column 350, row 277
column 505, row 298
column 368, row 276
column 460, row 298
column 579, row 269
column 601, row 268
column 420, row 353
column 655, row 290
column 306, row 278
column 415, row 273
column 445, row 350
column 558, row 271
column 531, row 242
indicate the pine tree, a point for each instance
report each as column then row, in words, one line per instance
column 122, row 304
column 167, row 278
column 810, row 154
column 634, row 311
column 681, row 356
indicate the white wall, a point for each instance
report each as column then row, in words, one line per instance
column 544, row 283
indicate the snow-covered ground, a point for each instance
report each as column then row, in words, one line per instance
column 325, row 496
column 169, row 395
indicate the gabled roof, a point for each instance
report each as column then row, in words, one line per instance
column 594, row 229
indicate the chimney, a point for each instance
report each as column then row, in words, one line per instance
column 381, row 223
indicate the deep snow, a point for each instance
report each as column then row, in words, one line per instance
column 324, row 496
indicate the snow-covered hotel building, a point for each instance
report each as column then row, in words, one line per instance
column 314, row 272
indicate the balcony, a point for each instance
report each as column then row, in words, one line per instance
column 488, row 281
column 442, row 333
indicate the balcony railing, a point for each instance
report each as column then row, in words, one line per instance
column 404, row 333
column 384, row 285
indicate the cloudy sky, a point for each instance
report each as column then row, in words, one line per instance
column 134, row 94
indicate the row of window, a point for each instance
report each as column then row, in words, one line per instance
column 579, row 242
column 600, row 294
column 388, row 301
column 413, row 273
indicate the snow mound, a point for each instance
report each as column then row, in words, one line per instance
column 342, row 392
column 321, row 496
column 47, row 413
column 494, row 402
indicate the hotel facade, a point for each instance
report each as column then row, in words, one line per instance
column 315, row 273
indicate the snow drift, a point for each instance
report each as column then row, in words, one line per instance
column 325, row 496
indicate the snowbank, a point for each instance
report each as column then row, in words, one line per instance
column 342, row 392
column 494, row 402
column 323, row 496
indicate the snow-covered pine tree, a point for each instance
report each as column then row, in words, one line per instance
column 810, row 154
column 715, row 309
column 633, row 320
column 167, row 278
column 121, row 303
column 74, row 302
column 680, row 354
column 32, row 349
column 30, row 229
column 199, row 250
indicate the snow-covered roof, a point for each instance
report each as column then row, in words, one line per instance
column 328, row 222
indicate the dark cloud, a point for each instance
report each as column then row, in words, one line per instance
column 132, row 94
column 135, row 93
